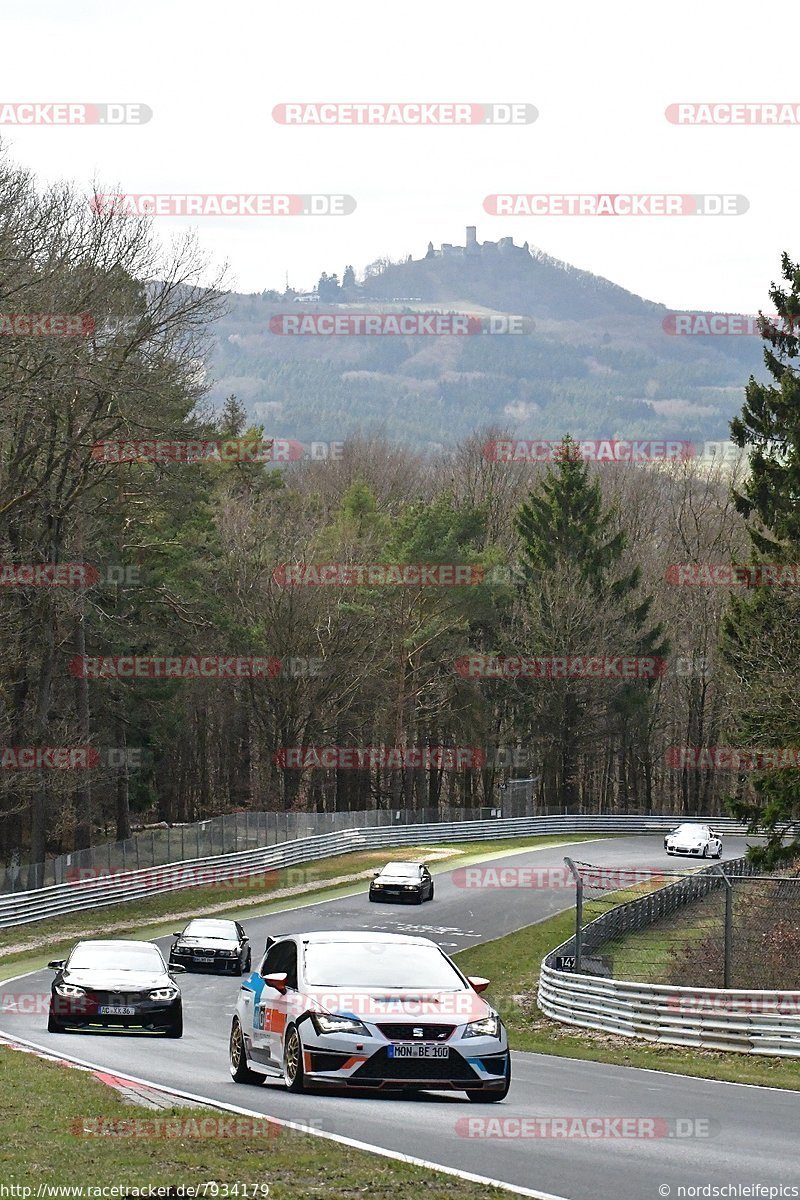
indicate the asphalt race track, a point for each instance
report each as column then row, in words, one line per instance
column 755, row 1130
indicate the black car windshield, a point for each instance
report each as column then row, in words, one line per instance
column 116, row 958
column 211, row 929
column 401, row 869
column 379, row 965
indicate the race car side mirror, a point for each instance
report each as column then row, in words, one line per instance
column 56, row 965
column 476, row 982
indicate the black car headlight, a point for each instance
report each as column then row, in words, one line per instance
column 165, row 993
column 485, row 1027
column 410, row 887
column 333, row 1023
column 69, row 989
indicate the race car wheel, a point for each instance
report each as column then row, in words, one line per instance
column 248, row 963
column 293, row 1060
column 53, row 1026
column 240, row 1072
column 492, row 1097
column 431, row 895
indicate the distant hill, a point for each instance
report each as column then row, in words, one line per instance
column 597, row 363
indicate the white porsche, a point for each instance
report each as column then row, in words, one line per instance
column 698, row 840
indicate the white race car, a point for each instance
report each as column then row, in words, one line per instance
column 699, row 840
column 367, row 1010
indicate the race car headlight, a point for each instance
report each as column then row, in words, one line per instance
column 486, row 1027
column 69, row 989
column 327, row 1023
column 411, row 887
column 166, row 993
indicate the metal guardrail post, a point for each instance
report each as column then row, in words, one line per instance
column 728, row 933
column 578, row 913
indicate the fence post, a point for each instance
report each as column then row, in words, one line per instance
column 578, row 913
column 728, row 935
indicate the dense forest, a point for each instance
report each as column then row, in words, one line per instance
column 176, row 559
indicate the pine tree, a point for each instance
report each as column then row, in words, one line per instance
column 580, row 602
column 761, row 631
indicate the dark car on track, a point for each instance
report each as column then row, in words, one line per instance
column 212, row 945
column 410, row 881
column 116, row 986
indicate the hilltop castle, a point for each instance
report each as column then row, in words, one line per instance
column 476, row 249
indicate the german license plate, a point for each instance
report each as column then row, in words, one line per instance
column 116, row 1010
column 418, row 1050
column 204, row 958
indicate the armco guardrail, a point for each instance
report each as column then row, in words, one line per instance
column 21, row 908
column 745, row 1020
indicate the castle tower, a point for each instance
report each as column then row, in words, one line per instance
column 472, row 240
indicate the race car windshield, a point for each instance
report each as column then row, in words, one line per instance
column 114, row 958
column 211, row 929
column 410, row 869
column 379, row 965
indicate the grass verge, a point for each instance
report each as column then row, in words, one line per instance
column 42, row 1144
column 512, row 963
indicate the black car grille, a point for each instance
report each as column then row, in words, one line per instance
column 380, row 1066
column 407, row 1033
column 118, row 999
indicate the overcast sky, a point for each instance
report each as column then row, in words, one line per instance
column 600, row 76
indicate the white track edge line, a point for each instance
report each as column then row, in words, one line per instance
column 340, row 1139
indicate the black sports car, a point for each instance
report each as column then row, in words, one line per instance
column 212, row 945
column 402, row 881
column 115, row 985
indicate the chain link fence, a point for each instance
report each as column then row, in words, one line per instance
column 725, row 926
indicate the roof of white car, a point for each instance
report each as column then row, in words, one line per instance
column 359, row 935
column 116, row 942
